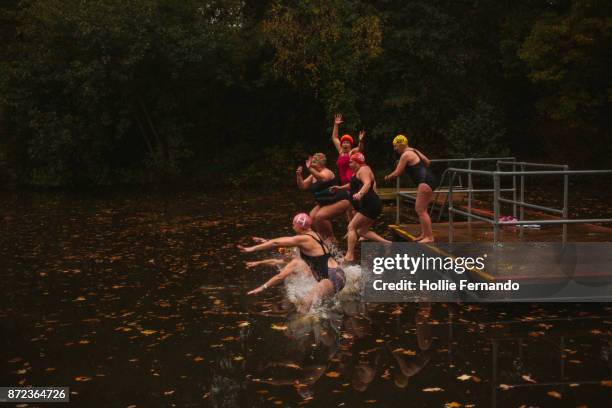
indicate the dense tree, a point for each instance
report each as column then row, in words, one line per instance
column 237, row 91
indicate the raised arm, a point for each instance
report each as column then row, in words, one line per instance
column 302, row 183
column 399, row 169
column 279, row 277
column 335, row 138
column 360, row 146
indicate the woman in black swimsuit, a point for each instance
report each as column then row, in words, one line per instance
column 313, row 252
column 328, row 205
column 366, row 202
column 416, row 164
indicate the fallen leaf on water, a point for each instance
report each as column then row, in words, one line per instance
column 278, row 327
column 243, row 324
column 380, row 341
column 554, row 394
column 82, row 379
column 595, row 331
column 433, row 389
column 198, row 359
column 170, row 392
column 83, row 341
column 505, row 387
column 606, row 383
column 238, row 358
column 79, row 299
column 333, row 374
column 464, row 377
column 452, row 405
column 528, row 378
column 148, row 332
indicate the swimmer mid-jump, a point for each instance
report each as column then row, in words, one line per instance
column 366, row 202
column 328, row 205
column 416, row 164
column 313, row 253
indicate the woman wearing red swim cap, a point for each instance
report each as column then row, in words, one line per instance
column 362, row 187
column 313, row 253
column 345, row 148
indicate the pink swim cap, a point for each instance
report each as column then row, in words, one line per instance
column 303, row 220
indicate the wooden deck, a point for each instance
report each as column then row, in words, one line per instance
column 480, row 231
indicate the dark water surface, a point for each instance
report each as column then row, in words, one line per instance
column 138, row 299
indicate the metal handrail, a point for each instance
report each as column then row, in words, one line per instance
column 497, row 198
column 470, row 191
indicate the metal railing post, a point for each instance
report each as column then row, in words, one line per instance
column 522, row 209
column 450, row 207
column 397, row 200
column 565, row 202
column 495, row 207
column 470, row 188
column 514, row 192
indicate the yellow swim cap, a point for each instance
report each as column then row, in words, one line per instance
column 400, row 139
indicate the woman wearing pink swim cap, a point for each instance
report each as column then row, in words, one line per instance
column 362, row 187
column 314, row 257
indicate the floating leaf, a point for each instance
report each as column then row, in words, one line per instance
column 433, row 389
column 452, row 405
column 82, row 379
column 505, row 387
column 148, row 332
column 528, row 379
column 333, row 374
column 554, row 394
column 464, row 377
column 278, row 327
column 198, row 359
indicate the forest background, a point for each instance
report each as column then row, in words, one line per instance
column 239, row 92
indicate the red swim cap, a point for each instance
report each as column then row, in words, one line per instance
column 346, row 138
column 303, row 220
column 358, row 158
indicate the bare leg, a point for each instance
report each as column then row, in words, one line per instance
column 424, row 197
column 321, row 227
column 372, row 236
column 322, row 289
column 358, row 221
column 326, row 213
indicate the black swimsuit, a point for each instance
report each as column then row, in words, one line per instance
column 370, row 204
column 322, row 194
column 320, row 269
column 421, row 174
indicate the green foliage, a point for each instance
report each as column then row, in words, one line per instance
column 568, row 55
column 478, row 133
column 326, row 46
column 228, row 92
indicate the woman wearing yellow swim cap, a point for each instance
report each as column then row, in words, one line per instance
column 416, row 164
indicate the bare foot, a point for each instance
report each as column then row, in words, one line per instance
column 420, row 237
column 349, row 259
column 426, row 241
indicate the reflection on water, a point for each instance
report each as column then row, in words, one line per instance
column 139, row 300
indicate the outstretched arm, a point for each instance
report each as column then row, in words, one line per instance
column 399, row 169
column 267, row 262
column 279, row 277
column 273, row 243
column 335, row 138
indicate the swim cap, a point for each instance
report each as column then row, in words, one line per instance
column 303, row 220
column 346, row 138
column 319, row 158
column 400, row 139
column 358, row 158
